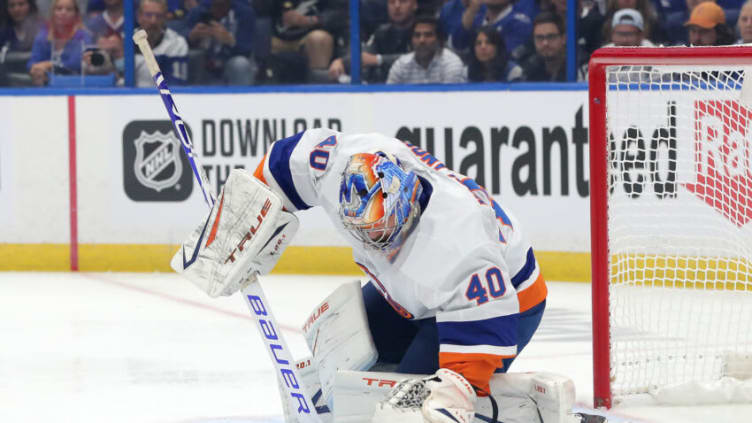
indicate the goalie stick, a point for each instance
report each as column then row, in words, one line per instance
column 139, row 37
column 254, row 296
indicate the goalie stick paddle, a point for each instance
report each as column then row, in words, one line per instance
column 255, row 299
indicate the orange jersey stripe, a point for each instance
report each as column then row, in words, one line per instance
column 533, row 295
column 259, row 172
column 476, row 368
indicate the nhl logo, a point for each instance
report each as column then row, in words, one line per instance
column 160, row 168
column 154, row 166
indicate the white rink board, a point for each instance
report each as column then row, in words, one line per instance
column 497, row 133
column 34, row 180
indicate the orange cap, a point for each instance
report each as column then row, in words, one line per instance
column 706, row 15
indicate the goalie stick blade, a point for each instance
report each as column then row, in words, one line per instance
column 591, row 415
column 591, row 418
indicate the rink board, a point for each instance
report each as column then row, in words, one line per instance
column 135, row 199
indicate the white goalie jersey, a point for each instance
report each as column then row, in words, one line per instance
column 466, row 262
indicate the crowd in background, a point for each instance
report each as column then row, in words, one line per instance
column 251, row 42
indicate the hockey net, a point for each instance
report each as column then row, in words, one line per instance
column 671, row 212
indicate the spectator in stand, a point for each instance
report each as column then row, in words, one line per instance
column 179, row 9
column 177, row 15
column 170, row 48
column 555, row 6
column 430, row 7
column 731, row 8
column 310, row 28
column 652, row 30
column 59, row 47
column 20, row 24
column 430, row 61
column 589, row 29
column 527, row 49
column 108, row 22
column 627, row 30
column 666, row 7
column 224, row 30
column 107, row 28
column 489, row 61
column 45, row 7
column 745, row 23
column 386, row 45
column 98, row 6
column 450, row 15
column 673, row 24
column 707, row 26
column 590, row 19
column 373, row 13
column 549, row 61
column 5, row 21
column 515, row 26
column 3, row 13
column 176, row 9
column 95, row 7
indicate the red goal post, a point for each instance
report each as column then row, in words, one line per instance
column 670, row 163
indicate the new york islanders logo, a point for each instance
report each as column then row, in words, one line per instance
column 723, row 159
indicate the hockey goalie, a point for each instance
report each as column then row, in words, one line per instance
column 453, row 294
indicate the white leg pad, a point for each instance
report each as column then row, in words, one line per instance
column 338, row 335
column 521, row 398
column 551, row 395
column 356, row 395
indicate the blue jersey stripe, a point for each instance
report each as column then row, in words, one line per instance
column 425, row 196
column 499, row 331
column 526, row 271
column 279, row 166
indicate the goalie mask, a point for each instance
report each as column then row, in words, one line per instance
column 378, row 199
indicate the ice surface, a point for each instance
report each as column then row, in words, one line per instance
column 141, row 348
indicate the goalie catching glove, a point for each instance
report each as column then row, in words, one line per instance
column 243, row 236
column 445, row 397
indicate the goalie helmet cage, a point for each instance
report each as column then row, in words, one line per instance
column 671, row 242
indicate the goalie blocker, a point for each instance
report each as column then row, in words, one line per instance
column 243, row 236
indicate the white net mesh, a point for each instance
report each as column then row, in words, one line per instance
column 679, row 231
